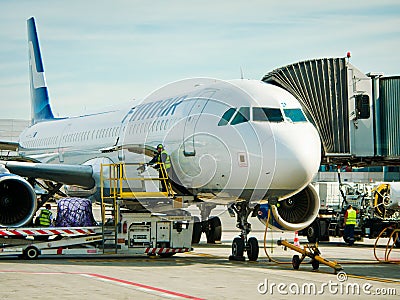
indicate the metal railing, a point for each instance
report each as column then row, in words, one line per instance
column 115, row 182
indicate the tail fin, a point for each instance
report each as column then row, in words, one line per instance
column 40, row 105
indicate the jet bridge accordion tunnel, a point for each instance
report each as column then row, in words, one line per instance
column 357, row 115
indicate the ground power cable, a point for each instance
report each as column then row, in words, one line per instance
column 265, row 244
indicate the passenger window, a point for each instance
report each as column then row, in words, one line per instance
column 295, row 115
column 226, row 117
column 266, row 114
column 243, row 115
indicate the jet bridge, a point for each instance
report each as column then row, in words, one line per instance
column 356, row 115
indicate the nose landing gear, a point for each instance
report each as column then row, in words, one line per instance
column 242, row 243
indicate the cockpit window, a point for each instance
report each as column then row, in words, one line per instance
column 267, row 114
column 295, row 115
column 243, row 115
column 227, row 116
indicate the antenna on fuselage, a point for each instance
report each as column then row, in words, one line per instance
column 241, row 73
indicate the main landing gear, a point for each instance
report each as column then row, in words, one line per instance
column 243, row 244
column 211, row 226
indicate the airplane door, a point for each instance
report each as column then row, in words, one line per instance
column 191, row 122
column 61, row 141
column 122, row 132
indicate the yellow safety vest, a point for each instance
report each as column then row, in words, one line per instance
column 167, row 162
column 351, row 217
column 45, row 217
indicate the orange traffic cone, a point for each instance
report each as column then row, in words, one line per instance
column 296, row 240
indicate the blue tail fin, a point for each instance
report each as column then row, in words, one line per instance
column 41, row 109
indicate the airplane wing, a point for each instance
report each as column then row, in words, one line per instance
column 11, row 146
column 80, row 175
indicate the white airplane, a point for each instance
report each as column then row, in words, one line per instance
column 237, row 142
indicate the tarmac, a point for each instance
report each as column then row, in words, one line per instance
column 207, row 273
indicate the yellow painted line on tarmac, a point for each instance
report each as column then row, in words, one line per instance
column 374, row 278
column 202, row 255
column 384, row 280
column 97, row 260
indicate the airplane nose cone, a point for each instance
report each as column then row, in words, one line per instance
column 297, row 156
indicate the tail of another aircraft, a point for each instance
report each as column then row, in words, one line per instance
column 40, row 105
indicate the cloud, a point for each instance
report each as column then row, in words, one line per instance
column 122, row 49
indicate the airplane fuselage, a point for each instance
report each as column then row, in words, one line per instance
column 234, row 139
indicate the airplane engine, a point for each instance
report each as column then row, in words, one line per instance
column 294, row 213
column 17, row 201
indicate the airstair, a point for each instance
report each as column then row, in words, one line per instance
column 116, row 187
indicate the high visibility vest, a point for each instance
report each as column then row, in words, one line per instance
column 45, row 217
column 167, row 162
column 351, row 217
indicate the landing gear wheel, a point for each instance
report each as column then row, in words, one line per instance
column 31, row 252
column 296, row 262
column 253, row 249
column 214, row 230
column 313, row 232
column 315, row 264
column 237, row 247
column 197, row 231
column 243, row 210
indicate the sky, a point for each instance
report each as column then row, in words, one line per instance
column 102, row 53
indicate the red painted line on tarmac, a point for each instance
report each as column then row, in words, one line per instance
column 148, row 287
column 160, row 291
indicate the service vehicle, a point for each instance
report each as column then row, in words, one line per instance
column 135, row 234
column 377, row 205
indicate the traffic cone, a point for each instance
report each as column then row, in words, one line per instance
column 296, row 240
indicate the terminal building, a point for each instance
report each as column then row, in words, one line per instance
column 10, row 129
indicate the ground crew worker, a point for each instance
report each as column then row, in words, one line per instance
column 161, row 157
column 46, row 216
column 349, row 224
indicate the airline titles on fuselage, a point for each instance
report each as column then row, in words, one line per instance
column 159, row 108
